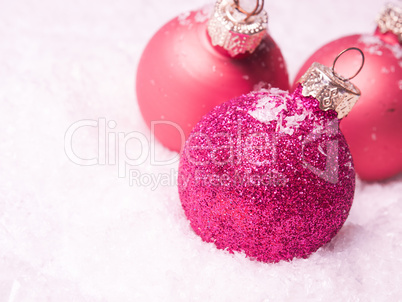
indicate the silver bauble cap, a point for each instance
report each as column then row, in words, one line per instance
column 235, row 31
column 330, row 89
column 390, row 20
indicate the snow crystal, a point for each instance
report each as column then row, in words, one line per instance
column 267, row 111
column 183, row 18
column 373, row 50
column 373, row 44
column 261, row 85
column 280, row 128
column 396, row 50
column 293, row 121
column 370, row 40
column 203, row 14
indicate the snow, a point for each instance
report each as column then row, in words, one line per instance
column 373, row 43
column 266, row 110
column 112, row 228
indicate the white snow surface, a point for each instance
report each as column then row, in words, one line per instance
column 106, row 232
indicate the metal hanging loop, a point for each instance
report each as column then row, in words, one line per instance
column 341, row 53
column 258, row 9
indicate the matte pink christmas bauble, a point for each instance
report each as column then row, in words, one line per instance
column 373, row 129
column 181, row 76
column 268, row 174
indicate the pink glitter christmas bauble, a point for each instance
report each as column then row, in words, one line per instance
column 268, row 174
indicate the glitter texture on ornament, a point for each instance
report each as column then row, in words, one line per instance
column 268, row 174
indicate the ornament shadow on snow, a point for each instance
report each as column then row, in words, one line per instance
column 272, row 133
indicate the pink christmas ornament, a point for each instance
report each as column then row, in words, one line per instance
column 269, row 173
column 374, row 129
column 194, row 63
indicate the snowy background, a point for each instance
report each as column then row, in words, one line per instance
column 85, row 233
